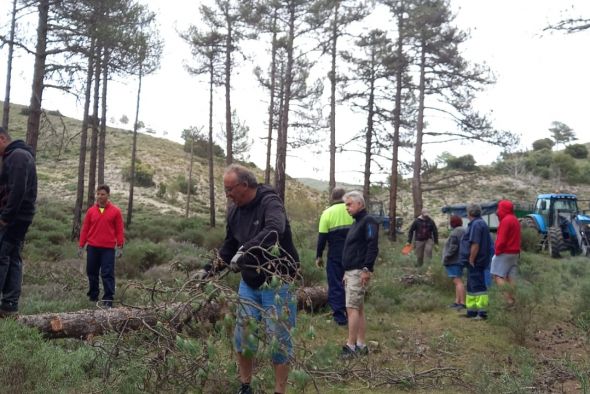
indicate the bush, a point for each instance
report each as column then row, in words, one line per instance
column 530, row 239
column 577, row 151
column 543, row 144
column 144, row 174
column 161, row 193
column 29, row 364
column 465, row 163
column 182, row 185
column 140, row 256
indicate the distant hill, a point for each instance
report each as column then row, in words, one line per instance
column 322, row 186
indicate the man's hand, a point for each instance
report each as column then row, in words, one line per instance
column 119, row 252
column 365, row 278
column 233, row 264
column 319, row 262
column 80, row 252
column 472, row 263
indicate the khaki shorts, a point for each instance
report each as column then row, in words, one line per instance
column 355, row 292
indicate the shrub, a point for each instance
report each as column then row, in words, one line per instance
column 161, row 193
column 577, row 151
column 140, row 256
column 465, row 163
column 530, row 239
column 182, row 185
column 543, row 144
column 144, row 174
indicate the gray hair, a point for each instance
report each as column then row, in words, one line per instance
column 356, row 196
column 474, row 210
column 243, row 174
column 337, row 194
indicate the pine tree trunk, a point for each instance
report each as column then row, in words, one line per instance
column 229, row 158
column 102, row 135
column 6, row 109
column 416, row 180
column 83, row 143
column 38, row 76
column 332, row 183
column 271, row 109
column 369, row 134
column 282, row 147
column 396, row 127
column 210, row 148
column 134, row 151
column 281, row 97
column 190, row 177
column 94, row 135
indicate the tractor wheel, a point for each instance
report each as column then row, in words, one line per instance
column 556, row 243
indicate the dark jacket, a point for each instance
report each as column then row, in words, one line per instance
column 18, row 181
column 423, row 229
column 362, row 243
column 477, row 232
column 450, row 255
column 256, row 227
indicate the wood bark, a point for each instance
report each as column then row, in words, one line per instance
column 6, row 109
column 416, row 179
column 271, row 106
column 281, row 170
column 210, row 146
column 91, row 322
column 332, row 183
column 134, row 151
column 77, row 223
column 369, row 133
column 94, row 136
column 229, row 158
column 396, row 128
column 190, row 176
column 33, row 121
column 102, row 135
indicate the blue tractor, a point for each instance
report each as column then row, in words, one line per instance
column 561, row 224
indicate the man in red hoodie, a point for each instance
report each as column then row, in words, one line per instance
column 507, row 247
column 103, row 235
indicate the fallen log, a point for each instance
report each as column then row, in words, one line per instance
column 91, row 322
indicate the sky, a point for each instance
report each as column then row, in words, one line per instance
column 541, row 77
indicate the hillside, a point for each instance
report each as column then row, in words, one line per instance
column 306, row 197
column 57, row 162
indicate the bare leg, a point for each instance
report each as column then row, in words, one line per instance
column 362, row 327
column 281, row 376
column 353, row 325
column 459, row 291
column 507, row 294
column 246, row 364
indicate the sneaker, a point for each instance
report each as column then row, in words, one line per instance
column 245, row 389
column 347, row 352
column 362, row 351
column 460, row 307
column 479, row 317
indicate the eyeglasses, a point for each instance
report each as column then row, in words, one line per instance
column 231, row 188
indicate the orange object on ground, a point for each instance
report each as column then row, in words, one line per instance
column 407, row 249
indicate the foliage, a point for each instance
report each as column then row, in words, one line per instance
column 577, row 151
column 181, row 184
column 140, row 256
column 144, row 174
column 544, row 143
column 529, row 240
column 562, row 133
column 465, row 163
column 201, row 144
column 30, row 364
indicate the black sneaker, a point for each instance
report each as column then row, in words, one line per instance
column 245, row 389
column 347, row 352
column 362, row 351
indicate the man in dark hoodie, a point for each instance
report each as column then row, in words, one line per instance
column 358, row 258
column 18, row 181
column 425, row 235
column 259, row 244
column 507, row 247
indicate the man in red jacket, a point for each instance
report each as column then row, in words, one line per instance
column 507, row 247
column 103, row 236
